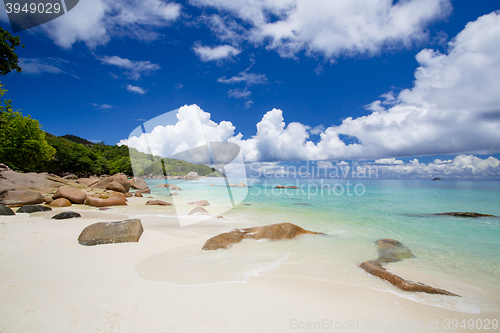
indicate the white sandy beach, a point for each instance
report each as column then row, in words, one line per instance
column 50, row 283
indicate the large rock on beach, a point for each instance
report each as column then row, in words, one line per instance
column 18, row 198
column 241, row 184
column 88, row 181
column 115, row 186
column 4, row 210
column 138, row 183
column 33, row 209
column 137, row 194
column 61, row 202
column 71, row 177
column 200, row 203
column 114, row 201
column 66, row 215
column 147, row 190
column 271, row 232
column 464, row 214
column 158, row 203
column 111, row 232
column 12, row 181
column 72, row 194
column 376, row 269
column 192, row 176
column 391, row 250
column 119, row 178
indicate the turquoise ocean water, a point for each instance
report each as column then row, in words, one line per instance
column 461, row 255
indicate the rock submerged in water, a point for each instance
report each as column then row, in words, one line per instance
column 33, row 209
column 200, row 203
column 271, row 232
column 4, row 210
column 376, row 269
column 111, row 232
column 391, row 250
column 66, row 215
column 464, row 214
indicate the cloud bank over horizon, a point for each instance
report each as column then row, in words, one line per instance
column 452, row 109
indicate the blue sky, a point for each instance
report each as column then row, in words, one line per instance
column 366, row 80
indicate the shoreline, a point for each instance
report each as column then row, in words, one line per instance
column 51, row 283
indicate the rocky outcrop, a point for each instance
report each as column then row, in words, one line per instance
column 66, row 215
column 376, row 269
column 111, row 232
column 61, row 202
column 138, row 183
column 4, row 210
column 114, row 201
column 72, row 194
column 391, row 250
column 465, row 214
column 200, row 203
column 16, row 181
column 115, row 186
column 119, row 178
column 271, row 232
column 144, row 191
column 137, row 194
column 241, row 184
column 158, row 203
column 198, row 211
column 18, row 198
column 287, row 187
column 71, row 177
column 33, row 209
column 191, row 176
column 88, row 181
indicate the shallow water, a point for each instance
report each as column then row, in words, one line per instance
column 461, row 255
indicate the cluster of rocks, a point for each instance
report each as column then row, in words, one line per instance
column 21, row 189
column 286, row 187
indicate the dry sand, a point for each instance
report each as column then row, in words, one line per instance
column 50, row 283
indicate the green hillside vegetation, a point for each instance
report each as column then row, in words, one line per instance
column 100, row 158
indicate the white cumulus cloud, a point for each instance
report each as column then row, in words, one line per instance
column 192, row 128
column 217, row 53
column 95, row 22
column 330, row 28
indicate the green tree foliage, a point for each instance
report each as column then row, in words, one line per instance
column 73, row 157
column 23, row 145
column 8, row 57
